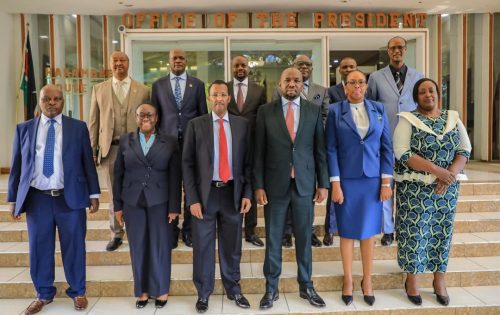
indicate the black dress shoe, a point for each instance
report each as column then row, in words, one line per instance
column 141, row 303
column 160, row 303
column 201, row 305
column 369, row 299
column 287, row 240
column 187, row 240
column 346, row 298
column 255, row 240
column 175, row 243
column 240, row 300
column 387, row 239
column 268, row 299
column 315, row 241
column 328, row 239
column 442, row 299
column 313, row 297
column 114, row 244
column 415, row 299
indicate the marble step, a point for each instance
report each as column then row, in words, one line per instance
column 474, row 203
column 483, row 244
column 99, row 230
column 463, row 300
column 15, row 282
column 466, row 189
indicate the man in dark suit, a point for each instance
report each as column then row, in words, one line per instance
column 54, row 189
column 216, row 167
column 337, row 94
column 178, row 97
column 290, row 159
column 246, row 98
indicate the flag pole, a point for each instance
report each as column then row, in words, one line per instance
column 23, row 60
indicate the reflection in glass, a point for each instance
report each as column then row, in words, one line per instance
column 496, row 87
column 469, row 124
column 43, row 50
column 445, row 63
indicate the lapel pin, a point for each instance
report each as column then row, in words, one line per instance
column 190, row 85
column 379, row 117
column 317, row 96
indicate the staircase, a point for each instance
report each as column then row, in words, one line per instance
column 473, row 276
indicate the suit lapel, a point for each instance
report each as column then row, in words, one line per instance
column 302, row 119
column 248, row 99
column 132, row 96
column 280, row 118
column 32, row 136
column 66, row 130
column 209, row 127
column 234, row 142
column 390, row 79
column 347, row 116
column 372, row 117
column 187, row 91
column 408, row 79
column 170, row 92
column 135, row 144
column 154, row 148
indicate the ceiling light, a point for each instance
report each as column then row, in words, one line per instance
column 445, row 15
column 73, row 15
column 114, row 41
column 44, row 36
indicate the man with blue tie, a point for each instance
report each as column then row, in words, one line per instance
column 216, row 165
column 54, row 189
column 393, row 86
column 178, row 98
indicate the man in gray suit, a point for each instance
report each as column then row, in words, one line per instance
column 246, row 98
column 216, row 167
column 290, row 171
column 393, row 86
column 317, row 95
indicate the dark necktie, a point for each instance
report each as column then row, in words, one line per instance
column 48, row 155
column 399, row 82
column 239, row 98
column 224, row 172
column 177, row 92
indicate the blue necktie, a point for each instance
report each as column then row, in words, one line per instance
column 177, row 92
column 48, row 156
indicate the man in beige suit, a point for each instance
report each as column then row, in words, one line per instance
column 112, row 114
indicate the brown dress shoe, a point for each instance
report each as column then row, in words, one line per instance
column 36, row 306
column 80, row 303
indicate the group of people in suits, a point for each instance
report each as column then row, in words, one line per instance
column 308, row 144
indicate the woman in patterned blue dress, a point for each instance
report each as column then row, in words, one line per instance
column 431, row 148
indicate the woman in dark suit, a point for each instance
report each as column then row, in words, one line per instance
column 360, row 163
column 147, row 195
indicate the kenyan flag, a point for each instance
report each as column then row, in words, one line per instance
column 28, row 82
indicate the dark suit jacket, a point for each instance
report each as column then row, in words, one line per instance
column 256, row 96
column 194, row 104
column 158, row 173
column 275, row 153
column 198, row 156
column 349, row 156
column 80, row 176
column 337, row 93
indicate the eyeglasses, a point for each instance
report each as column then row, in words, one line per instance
column 47, row 99
column 354, row 82
column 215, row 95
column 303, row 64
column 393, row 48
column 143, row 116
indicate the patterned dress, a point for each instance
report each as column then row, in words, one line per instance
column 424, row 220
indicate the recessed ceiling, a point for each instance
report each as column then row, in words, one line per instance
column 118, row 7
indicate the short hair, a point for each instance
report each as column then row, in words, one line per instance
column 347, row 77
column 217, row 82
column 388, row 42
column 417, row 85
column 137, row 107
column 347, row 57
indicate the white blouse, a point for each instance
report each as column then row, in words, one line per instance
column 360, row 117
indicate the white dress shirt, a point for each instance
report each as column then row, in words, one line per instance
column 182, row 82
column 244, row 89
column 296, row 111
column 126, row 85
column 227, row 129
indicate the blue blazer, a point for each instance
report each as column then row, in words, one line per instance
column 337, row 93
column 194, row 104
column 349, row 156
column 80, row 176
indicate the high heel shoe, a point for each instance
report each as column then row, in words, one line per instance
column 346, row 298
column 160, row 303
column 442, row 299
column 369, row 299
column 415, row 299
column 141, row 303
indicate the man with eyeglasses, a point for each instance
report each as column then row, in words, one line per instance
column 216, row 165
column 246, row 98
column 178, row 98
column 112, row 114
column 393, row 86
column 53, row 179
column 317, row 95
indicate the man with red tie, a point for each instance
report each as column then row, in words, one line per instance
column 216, row 169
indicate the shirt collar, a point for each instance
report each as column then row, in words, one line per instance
column 244, row 82
column 402, row 70
column 296, row 102
column 44, row 119
column 183, row 76
column 306, row 83
column 126, row 80
column 216, row 118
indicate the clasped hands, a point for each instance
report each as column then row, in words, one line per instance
column 119, row 217
column 261, row 196
column 338, row 195
column 197, row 212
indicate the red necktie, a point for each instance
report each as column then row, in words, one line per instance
column 239, row 98
column 290, row 126
column 224, row 171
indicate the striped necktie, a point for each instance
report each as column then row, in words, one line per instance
column 399, row 82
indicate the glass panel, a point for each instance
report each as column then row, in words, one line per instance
column 205, row 59
column 496, row 86
column 445, row 63
column 268, row 58
column 43, row 50
column 96, row 43
column 367, row 61
column 470, row 80
column 113, row 34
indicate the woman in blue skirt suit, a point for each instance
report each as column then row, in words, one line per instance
column 360, row 164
